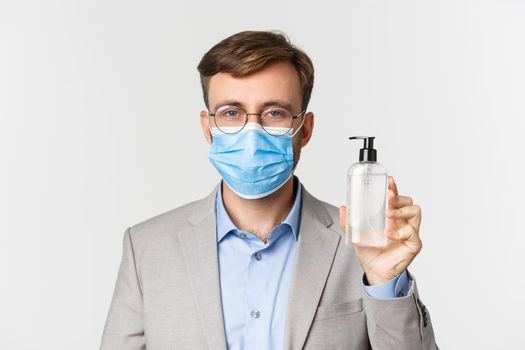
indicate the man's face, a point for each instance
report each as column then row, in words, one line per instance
column 276, row 81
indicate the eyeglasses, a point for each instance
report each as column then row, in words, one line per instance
column 275, row 121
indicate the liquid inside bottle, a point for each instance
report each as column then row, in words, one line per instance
column 366, row 201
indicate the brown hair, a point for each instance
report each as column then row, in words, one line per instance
column 248, row 51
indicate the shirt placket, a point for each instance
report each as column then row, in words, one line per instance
column 258, row 312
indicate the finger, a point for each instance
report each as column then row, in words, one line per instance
column 411, row 213
column 406, row 235
column 402, row 234
column 392, row 185
column 391, row 221
column 400, row 201
column 391, row 197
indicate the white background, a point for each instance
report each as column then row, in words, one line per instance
column 99, row 105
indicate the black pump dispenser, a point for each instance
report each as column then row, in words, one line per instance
column 367, row 153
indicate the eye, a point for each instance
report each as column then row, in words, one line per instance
column 276, row 113
column 230, row 112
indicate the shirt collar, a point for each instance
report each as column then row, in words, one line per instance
column 225, row 225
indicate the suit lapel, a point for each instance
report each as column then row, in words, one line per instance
column 316, row 248
column 199, row 247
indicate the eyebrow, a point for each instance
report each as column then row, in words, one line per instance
column 271, row 103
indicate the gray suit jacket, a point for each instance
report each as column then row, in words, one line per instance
column 167, row 294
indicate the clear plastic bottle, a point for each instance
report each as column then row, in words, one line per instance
column 366, row 198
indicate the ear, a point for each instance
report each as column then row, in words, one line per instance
column 308, row 127
column 205, row 121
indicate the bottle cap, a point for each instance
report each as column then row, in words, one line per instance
column 367, row 153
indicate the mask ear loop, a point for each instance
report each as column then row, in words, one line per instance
column 209, row 127
column 300, row 126
column 295, row 132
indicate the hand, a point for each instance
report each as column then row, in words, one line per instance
column 381, row 264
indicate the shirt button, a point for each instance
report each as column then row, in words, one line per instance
column 243, row 235
column 256, row 313
column 258, row 256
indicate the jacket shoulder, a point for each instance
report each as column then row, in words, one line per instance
column 333, row 211
column 330, row 210
column 172, row 220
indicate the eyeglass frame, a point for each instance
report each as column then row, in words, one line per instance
column 301, row 114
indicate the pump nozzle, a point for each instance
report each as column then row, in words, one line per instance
column 367, row 153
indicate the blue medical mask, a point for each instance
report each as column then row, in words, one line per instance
column 253, row 163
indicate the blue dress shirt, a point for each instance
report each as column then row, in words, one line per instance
column 255, row 278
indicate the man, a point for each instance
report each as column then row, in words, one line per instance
column 260, row 263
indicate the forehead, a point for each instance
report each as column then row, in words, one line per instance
column 275, row 81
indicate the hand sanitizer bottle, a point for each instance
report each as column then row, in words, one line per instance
column 366, row 198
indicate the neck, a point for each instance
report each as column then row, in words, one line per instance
column 259, row 216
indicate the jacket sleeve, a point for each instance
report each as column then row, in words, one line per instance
column 399, row 323
column 124, row 329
